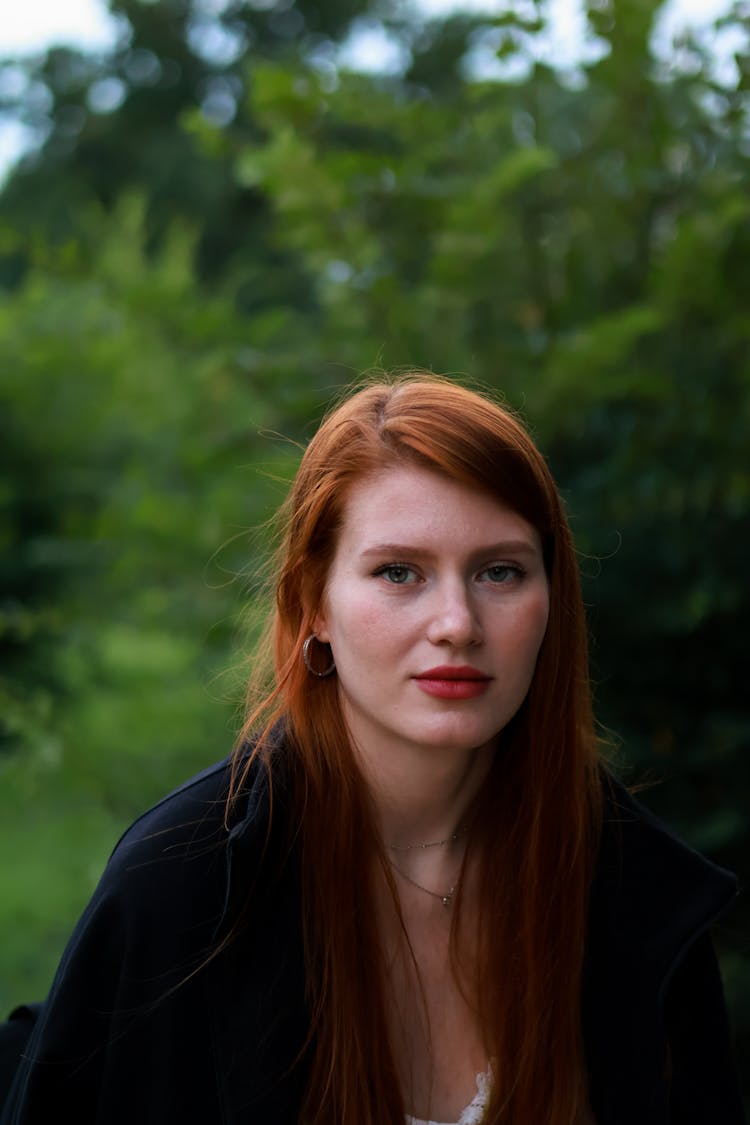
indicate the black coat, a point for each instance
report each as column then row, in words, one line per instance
column 148, row 1023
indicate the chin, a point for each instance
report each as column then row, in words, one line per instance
column 461, row 741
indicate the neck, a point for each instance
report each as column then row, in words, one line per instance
column 426, row 796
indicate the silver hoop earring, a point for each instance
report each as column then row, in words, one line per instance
column 306, row 659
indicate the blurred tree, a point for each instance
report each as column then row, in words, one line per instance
column 129, row 396
column 112, row 123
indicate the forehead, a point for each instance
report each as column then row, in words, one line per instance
column 412, row 505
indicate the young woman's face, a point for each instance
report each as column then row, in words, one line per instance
column 435, row 608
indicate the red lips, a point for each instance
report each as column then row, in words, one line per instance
column 453, row 681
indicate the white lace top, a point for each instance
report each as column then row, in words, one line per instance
column 474, row 1111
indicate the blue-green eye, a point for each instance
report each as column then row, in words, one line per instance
column 502, row 572
column 397, row 573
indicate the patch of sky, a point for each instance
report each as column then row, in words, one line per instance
column 684, row 32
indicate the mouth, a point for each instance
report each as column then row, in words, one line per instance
column 449, row 681
column 453, row 672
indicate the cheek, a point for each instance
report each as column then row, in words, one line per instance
column 365, row 616
column 532, row 625
column 352, row 621
column 542, row 615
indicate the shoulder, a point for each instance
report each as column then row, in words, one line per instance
column 162, row 902
column 639, row 847
column 129, row 997
column 200, row 807
column 651, row 889
column 186, row 822
column 184, row 825
column 652, row 990
column 168, row 874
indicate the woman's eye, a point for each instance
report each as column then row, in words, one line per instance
column 502, row 572
column 397, row 573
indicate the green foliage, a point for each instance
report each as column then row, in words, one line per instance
column 110, row 123
column 141, row 466
column 581, row 244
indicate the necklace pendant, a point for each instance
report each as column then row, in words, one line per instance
column 448, row 899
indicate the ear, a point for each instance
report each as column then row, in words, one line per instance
column 320, row 628
column 319, row 623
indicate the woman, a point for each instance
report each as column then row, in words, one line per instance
column 413, row 894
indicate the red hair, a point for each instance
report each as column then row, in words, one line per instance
column 535, row 832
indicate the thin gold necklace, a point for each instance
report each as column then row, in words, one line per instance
column 446, row 899
column 432, row 844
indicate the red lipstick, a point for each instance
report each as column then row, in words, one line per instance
column 453, row 681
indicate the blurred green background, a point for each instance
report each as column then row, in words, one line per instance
column 223, row 225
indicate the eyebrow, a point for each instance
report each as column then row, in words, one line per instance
column 506, row 547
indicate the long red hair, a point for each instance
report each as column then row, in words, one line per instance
column 534, row 836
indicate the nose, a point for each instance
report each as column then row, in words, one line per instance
column 454, row 619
